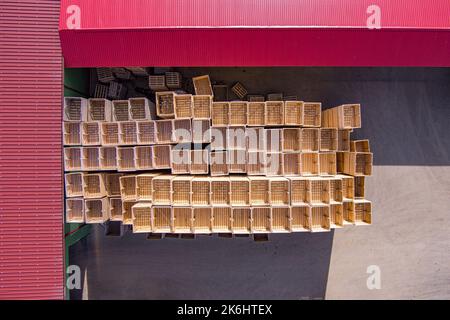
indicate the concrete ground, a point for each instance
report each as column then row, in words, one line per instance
column 406, row 116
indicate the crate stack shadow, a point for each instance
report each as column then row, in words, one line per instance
column 188, row 164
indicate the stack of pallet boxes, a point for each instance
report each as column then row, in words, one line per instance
column 188, row 164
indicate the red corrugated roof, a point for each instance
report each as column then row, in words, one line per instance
column 31, row 217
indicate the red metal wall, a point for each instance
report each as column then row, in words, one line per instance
column 31, row 236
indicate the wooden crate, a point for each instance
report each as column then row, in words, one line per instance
column 259, row 191
column 173, row 80
column 165, row 104
column 201, row 107
column 237, row 160
column 359, row 187
column 273, row 139
column 122, row 73
column 343, row 143
column 105, row 75
column 292, row 163
column 241, row 220
column 183, row 106
column 72, row 133
column 164, row 131
column 101, row 91
column 236, row 138
column 157, row 82
column 181, row 191
column 72, row 159
column 274, row 164
column 320, row 218
column 347, row 116
column 360, row 146
column 126, row 160
column 363, row 212
column 328, row 139
column 75, row 109
column 300, row 191
column 293, row 113
column 182, row 219
column 91, row 134
column 202, row 220
column 256, row 138
column 142, row 217
column 261, row 220
column 128, row 190
column 256, row 113
column 146, row 132
column 161, row 219
column 319, row 191
column 128, row 133
column 75, row 210
column 255, row 98
column 357, row 163
column 121, row 110
column 309, row 164
column 108, row 158
column 199, row 161
column 127, row 213
column 274, row 113
column 202, row 85
column 220, row 191
column 181, row 160
column 220, row 92
column 220, row 114
column 310, row 140
column 116, row 90
column 162, row 189
column 239, row 90
column 301, row 218
column 144, row 156
column 336, row 215
column 201, row 191
column 113, row 184
column 239, row 191
column 219, row 138
column 90, row 157
column 201, row 131
column 96, row 210
column 327, row 164
column 99, row 110
column 182, row 131
column 336, row 190
column 221, row 219
column 218, row 165
column 161, row 156
column 279, row 191
column 291, row 139
column 348, row 212
column 312, row 114
column 142, row 109
column 348, row 187
column 275, row 97
column 73, row 183
column 109, row 133
column 281, row 219
column 237, row 113
column 144, row 186
column 256, row 163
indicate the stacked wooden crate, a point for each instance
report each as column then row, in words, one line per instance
column 188, row 164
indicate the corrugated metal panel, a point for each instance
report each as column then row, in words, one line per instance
column 31, row 236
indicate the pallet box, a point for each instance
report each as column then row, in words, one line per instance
column 357, row 163
column 72, row 159
column 221, row 220
column 108, row 158
column 173, row 80
column 126, row 160
column 291, row 139
column 146, row 132
column 292, row 163
column 312, row 114
column 256, row 163
column 309, row 164
column 181, row 161
column 183, row 106
column 347, row 116
column 218, row 165
column 336, row 215
column 360, row 146
column 327, row 164
column 237, row 113
column 319, row 191
column 75, row 109
column 161, row 219
column 127, row 213
column 90, row 157
column 202, row 85
column 220, row 114
column 182, row 219
column 310, row 138
column 181, row 191
column 141, row 109
column 162, row 156
column 164, row 131
column 144, row 186
column 281, row 219
column 165, row 104
column 274, row 113
column 320, row 218
column 279, row 191
column 293, row 113
column 91, row 134
column 201, row 106
column 301, row 218
column 299, row 191
column 143, row 157
column 162, row 189
column 261, row 220
column 157, row 82
column 239, row 191
column 237, row 160
column 256, row 113
column 121, row 110
column 220, row 191
column 142, row 217
column 96, row 210
column 73, row 183
column 199, row 161
column 99, row 110
column 273, row 164
column 75, row 210
column 72, row 134
column 239, row 90
column 113, row 184
column 128, row 187
column 343, row 143
column 328, row 139
column 363, row 212
column 201, row 191
column 202, row 220
column 109, row 133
